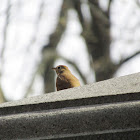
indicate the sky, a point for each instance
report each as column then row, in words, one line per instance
column 25, row 33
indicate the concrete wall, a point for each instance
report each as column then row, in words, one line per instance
column 105, row 110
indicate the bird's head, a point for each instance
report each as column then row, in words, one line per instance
column 60, row 69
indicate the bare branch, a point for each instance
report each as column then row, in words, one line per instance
column 55, row 37
column 28, row 91
column 108, row 9
column 98, row 13
column 31, row 42
column 138, row 3
column 128, row 58
column 37, row 22
column 2, row 98
column 77, row 6
column 50, row 48
column 5, row 29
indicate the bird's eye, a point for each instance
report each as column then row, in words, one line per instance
column 58, row 67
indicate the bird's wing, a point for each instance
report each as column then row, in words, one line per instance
column 62, row 83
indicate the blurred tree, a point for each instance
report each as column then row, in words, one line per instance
column 96, row 33
column 5, row 28
column 96, row 28
column 49, row 54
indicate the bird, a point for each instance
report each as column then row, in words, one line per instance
column 65, row 79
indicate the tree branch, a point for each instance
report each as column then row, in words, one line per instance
column 28, row 91
column 37, row 22
column 5, row 29
column 31, row 42
column 77, row 7
column 128, row 58
column 138, row 3
column 98, row 13
column 49, row 52
column 108, row 9
column 55, row 37
column 2, row 98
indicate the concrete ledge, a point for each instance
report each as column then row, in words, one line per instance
column 126, row 88
column 72, row 122
column 109, row 109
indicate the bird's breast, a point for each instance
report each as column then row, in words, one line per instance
column 66, row 81
column 62, row 83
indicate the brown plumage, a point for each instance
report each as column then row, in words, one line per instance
column 65, row 79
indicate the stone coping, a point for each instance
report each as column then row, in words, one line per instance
column 115, row 86
column 110, row 108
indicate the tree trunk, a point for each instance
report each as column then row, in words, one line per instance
column 49, row 50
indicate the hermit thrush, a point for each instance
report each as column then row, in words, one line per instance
column 65, row 79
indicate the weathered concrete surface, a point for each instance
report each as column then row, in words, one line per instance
column 105, row 110
column 121, row 85
column 90, row 120
column 126, row 88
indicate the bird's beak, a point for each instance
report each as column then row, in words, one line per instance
column 54, row 68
